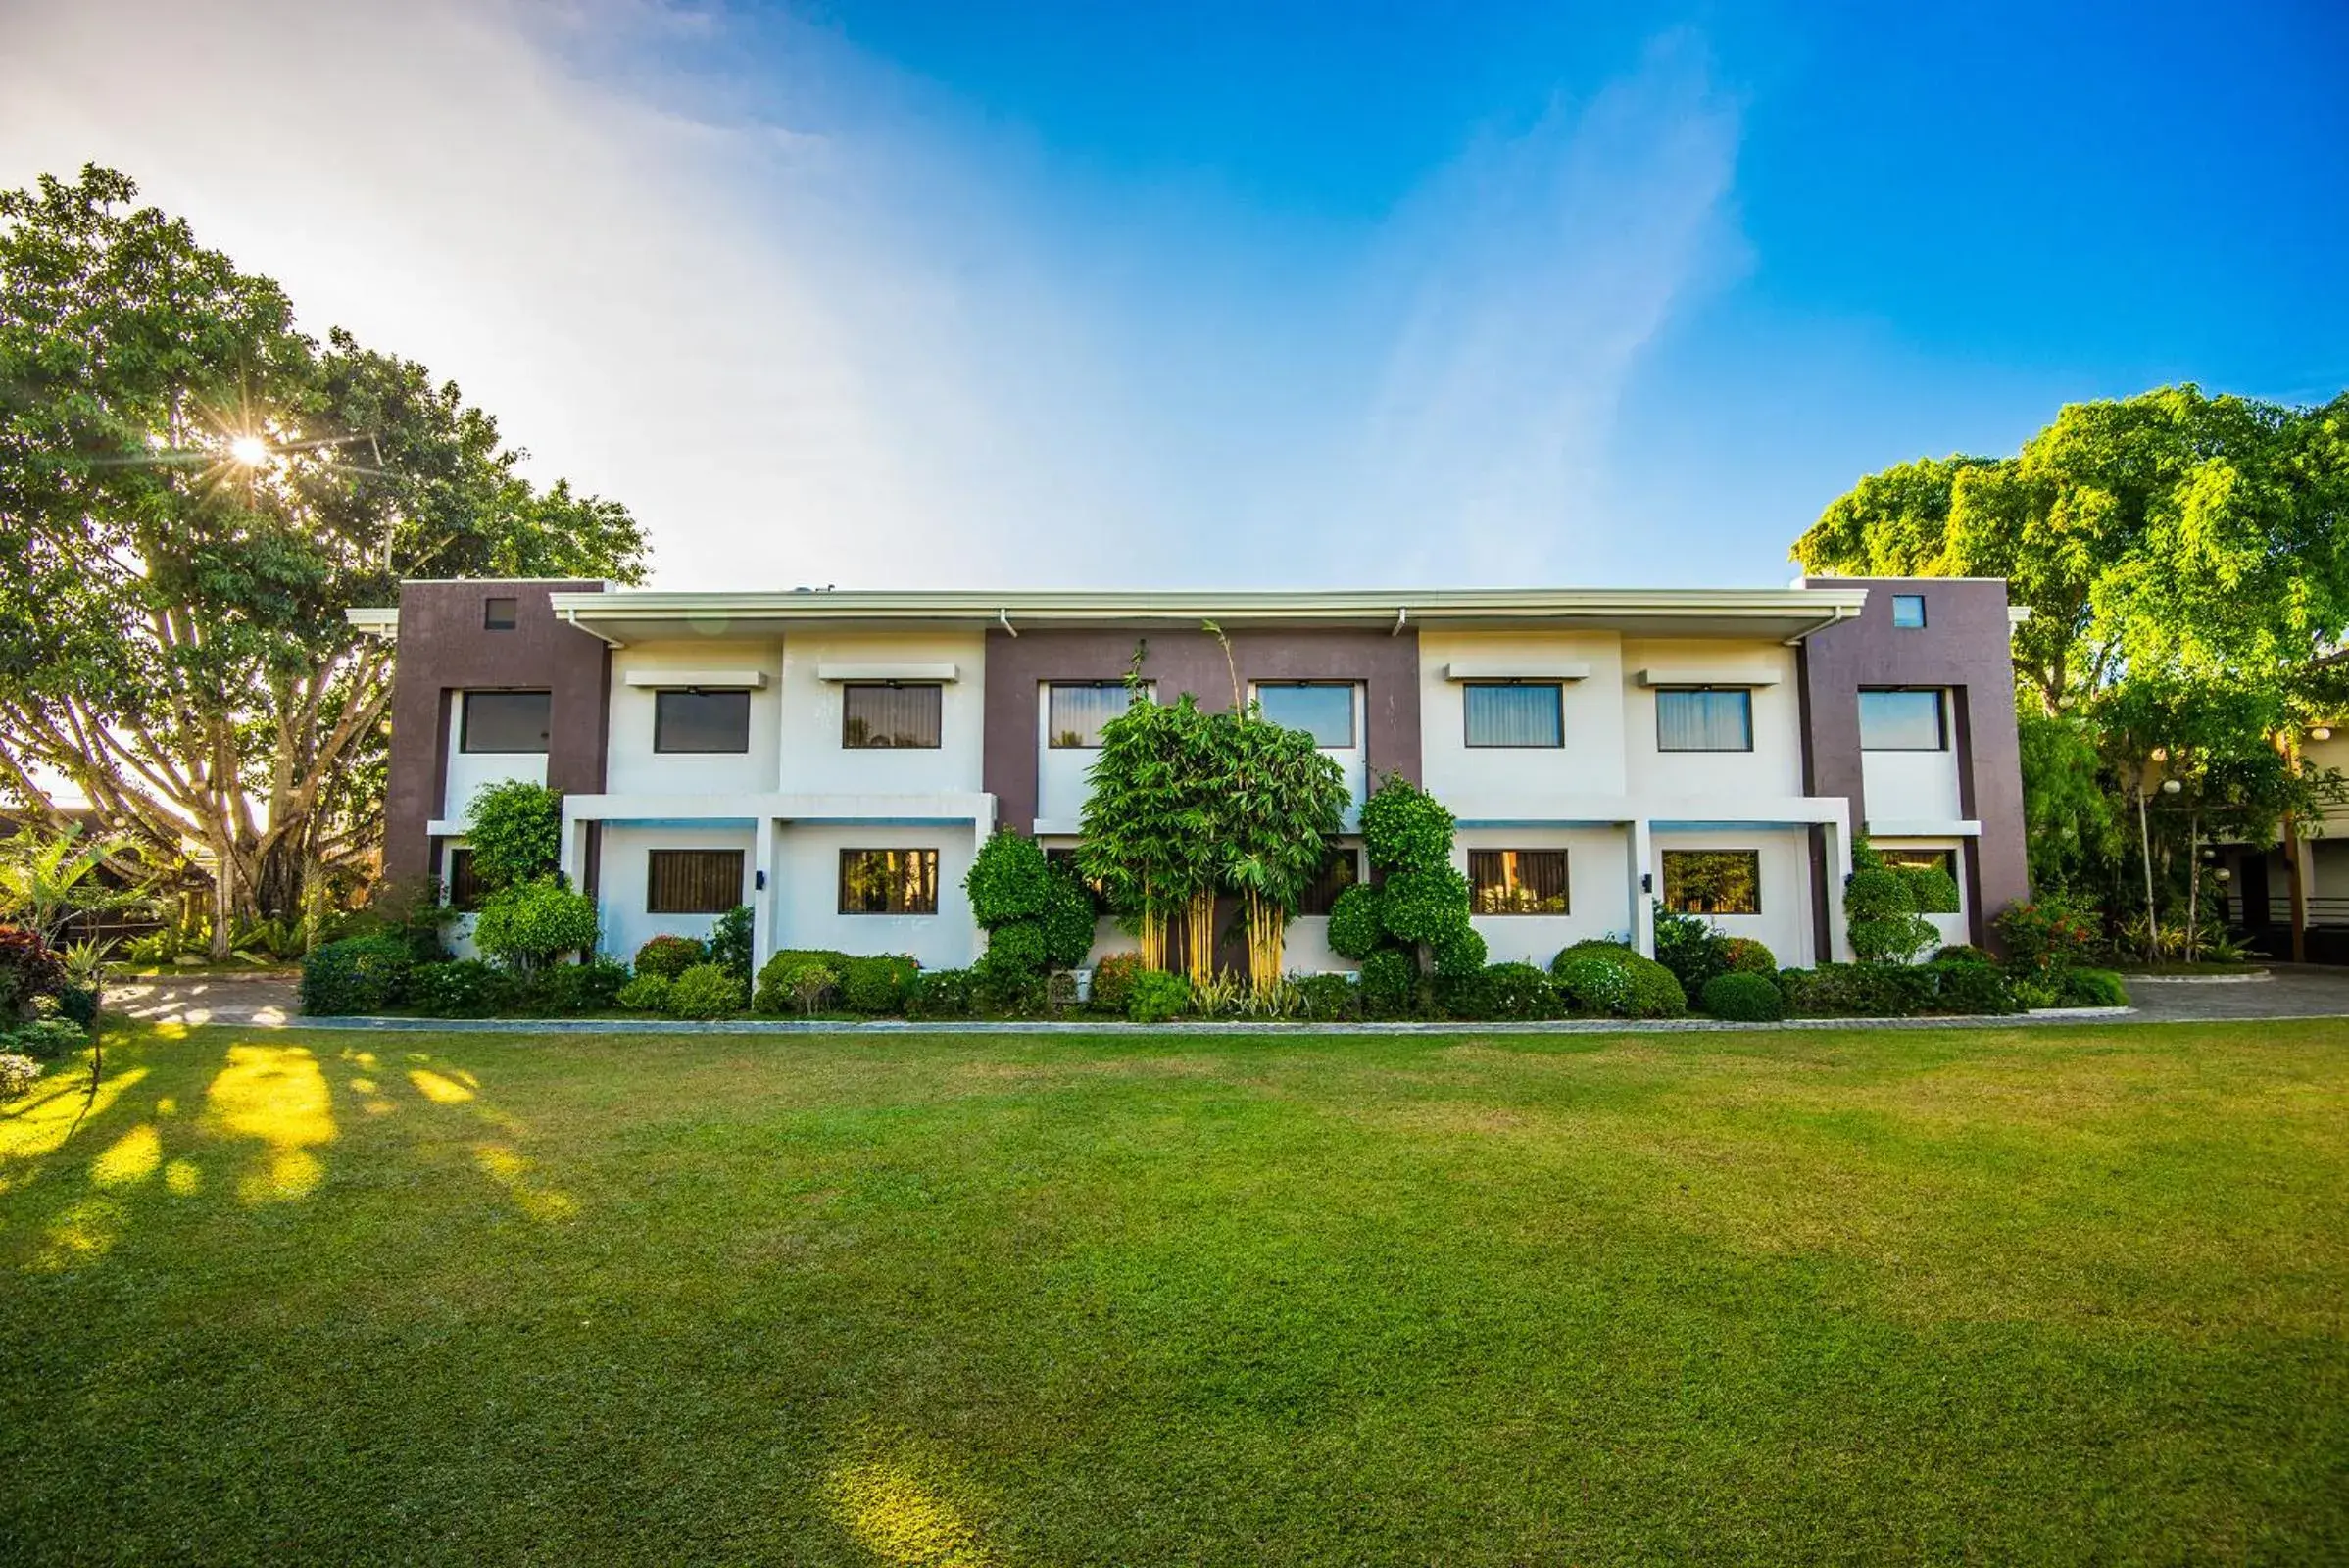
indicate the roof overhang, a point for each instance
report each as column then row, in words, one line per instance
column 1782, row 615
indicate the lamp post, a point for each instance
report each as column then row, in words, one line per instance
column 2153, row 919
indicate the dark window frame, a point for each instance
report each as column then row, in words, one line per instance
column 936, row 691
column 1945, row 858
column 1052, row 735
column 1557, row 691
column 929, row 858
column 461, row 889
column 681, row 884
column 1508, row 863
column 496, row 606
column 1353, row 708
column 1744, row 693
column 465, row 724
column 661, row 721
column 1671, row 902
column 1902, row 600
column 1942, row 726
column 1322, row 892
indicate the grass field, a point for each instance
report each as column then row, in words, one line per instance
column 2065, row 1295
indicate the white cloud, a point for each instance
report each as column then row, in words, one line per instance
column 815, row 322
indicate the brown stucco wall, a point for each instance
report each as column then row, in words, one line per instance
column 1963, row 646
column 444, row 649
column 1388, row 666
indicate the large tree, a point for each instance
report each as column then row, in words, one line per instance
column 192, row 492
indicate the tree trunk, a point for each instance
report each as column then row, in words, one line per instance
column 279, row 884
column 1199, row 934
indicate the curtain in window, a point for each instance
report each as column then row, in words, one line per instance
column 890, row 715
column 1078, row 712
column 1517, row 881
column 692, row 881
column 1515, row 715
column 1704, row 721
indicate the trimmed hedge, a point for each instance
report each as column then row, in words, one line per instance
column 466, row 988
column 356, row 975
column 1516, row 991
column 1158, row 996
column 709, row 991
column 1859, row 990
column 2091, row 988
column 1646, row 988
column 1591, row 983
column 671, row 957
column 1742, row 997
column 878, row 985
column 940, row 993
column 1390, row 984
column 1962, row 986
column 647, row 992
column 1328, row 996
column 774, row 994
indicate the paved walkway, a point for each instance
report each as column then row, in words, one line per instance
column 268, row 1002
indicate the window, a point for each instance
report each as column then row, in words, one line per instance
column 692, row 881
column 1325, row 710
column 1339, row 872
column 1704, row 720
column 498, row 614
column 504, row 721
column 1901, row 721
column 465, row 889
column 1920, row 860
column 1076, row 711
column 1515, row 714
column 701, row 721
column 889, row 881
column 1517, row 881
column 1713, row 881
column 1908, row 610
column 886, row 715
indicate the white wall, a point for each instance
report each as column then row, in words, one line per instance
column 1597, row 891
column 631, row 766
column 1784, row 923
column 806, row 890
column 1911, row 786
column 467, row 772
column 1773, row 768
column 812, row 759
column 1511, row 782
column 621, row 890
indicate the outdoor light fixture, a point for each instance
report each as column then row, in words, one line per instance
column 2223, row 874
column 250, row 450
column 2321, row 732
column 2170, row 786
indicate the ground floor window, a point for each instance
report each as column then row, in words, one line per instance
column 1342, row 870
column 464, row 889
column 692, row 881
column 1517, row 881
column 888, row 882
column 1920, row 860
column 1713, row 881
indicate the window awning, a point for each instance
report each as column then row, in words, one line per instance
column 1516, row 670
column 698, row 679
column 1707, row 675
column 897, row 672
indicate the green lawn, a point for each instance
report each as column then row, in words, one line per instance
column 2068, row 1294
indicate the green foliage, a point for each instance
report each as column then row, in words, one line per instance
column 30, row 969
column 17, row 1073
column 1881, row 906
column 1149, row 835
column 514, row 830
column 1390, row 984
column 1747, row 956
column 213, row 646
column 79, row 1006
column 669, row 957
column 464, row 989
column 1014, row 952
column 1962, row 953
column 711, row 990
column 1425, row 907
column 1933, row 890
column 940, row 993
column 44, row 1038
column 1591, row 981
column 2070, row 815
column 645, row 992
column 1156, row 997
column 1459, row 953
column 1969, row 988
column 730, row 938
column 560, row 989
column 1280, row 803
column 1114, row 982
column 1860, row 989
column 1517, row 990
column 1068, row 920
column 1405, row 829
column 2045, row 937
column 530, row 925
column 1328, row 997
column 1690, row 946
column 2090, row 988
column 878, row 985
column 49, row 880
column 778, row 977
column 1009, row 880
column 1655, row 993
column 356, row 975
column 1743, row 997
column 1357, row 922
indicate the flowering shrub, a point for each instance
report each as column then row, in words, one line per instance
column 30, row 969
column 669, row 957
column 2045, row 937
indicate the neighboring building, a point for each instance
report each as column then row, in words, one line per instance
column 2260, row 879
column 834, row 759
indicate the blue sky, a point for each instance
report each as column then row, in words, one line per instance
column 942, row 295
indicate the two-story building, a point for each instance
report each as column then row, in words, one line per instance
column 834, row 759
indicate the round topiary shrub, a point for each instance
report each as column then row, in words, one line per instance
column 535, row 923
column 940, row 993
column 1592, row 982
column 878, row 985
column 1390, row 984
column 1013, row 951
column 1357, row 926
column 774, row 994
column 1656, row 991
column 647, row 992
column 1405, row 828
column 1744, row 997
column 707, row 990
column 1933, row 890
column 1460, row 953
column 1010, row 879
column 17, row 1073
column 1114, row 982
column 1518, row 990
column 1068, row 921
column 669, row 957
column 1427, row 907
column 1745, row 955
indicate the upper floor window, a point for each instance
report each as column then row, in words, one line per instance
column 1908, row 610
column 692, row 881
column 1342, row 870
column 1713, row 881
column 499, row 612
column 1704, row 719
column 1325, row 710
column 701, row 721
column 504, row 721
column 890, row 715
column 1902, row 721
column 888, row 882
column 1517, row 881
column 1076, row 711
column 1527, row 713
